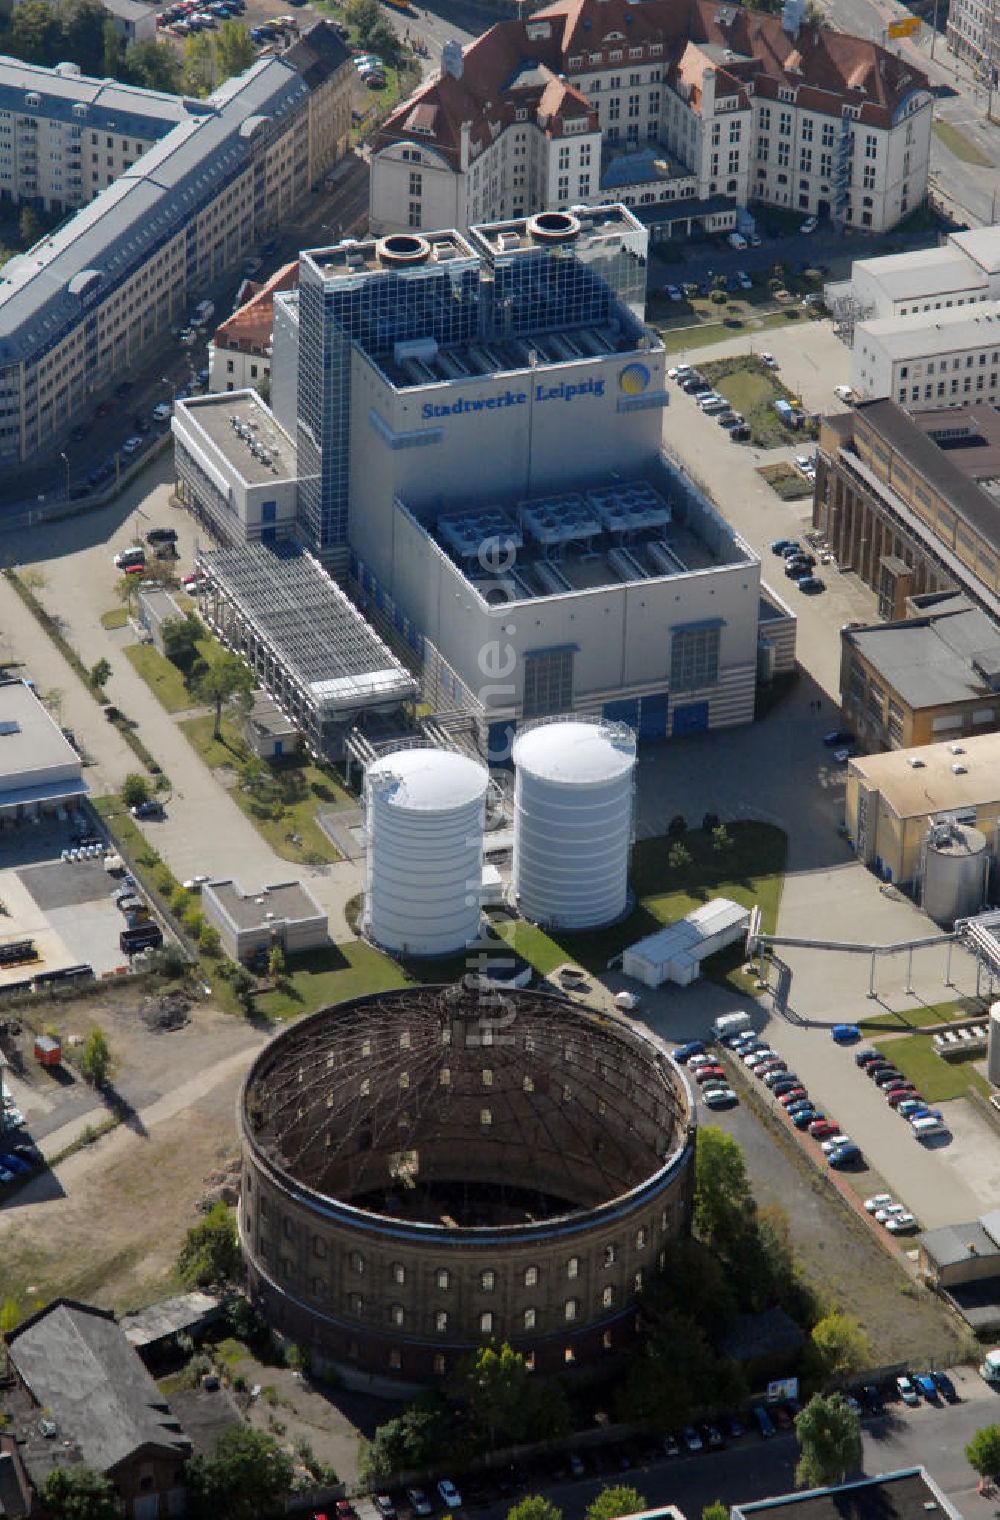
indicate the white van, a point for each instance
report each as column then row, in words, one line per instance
column 929, row 1126
column 730, row 1024
column 737, row 240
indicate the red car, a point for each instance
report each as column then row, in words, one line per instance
column 821, row 1128
column 792, row 1096
column 896, row 1098
column 708, row 1074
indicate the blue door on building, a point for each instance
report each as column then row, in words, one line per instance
column 622, row 712
column 690, row 718
column 653, row 716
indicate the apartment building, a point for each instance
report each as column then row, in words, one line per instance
column 947, row 358
column 679, row 108
column 239, row 355
column 972, row 34
column 172, row 193
column 911, row 502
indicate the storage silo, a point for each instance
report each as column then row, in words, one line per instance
column 573, row 797
column 425, row 818
column 954, row 869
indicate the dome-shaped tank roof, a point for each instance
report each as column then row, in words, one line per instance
column 576, row 752
column 430, row 780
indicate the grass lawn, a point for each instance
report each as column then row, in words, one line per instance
column 676, row 339
column 330, row 976
column 920, row 1018
column 956, row 141
column 788, row 483
column 163, row 678
column 116, row 618
column 752, row 389
column 750, row 871
column 294, row 834
column 935, row 1078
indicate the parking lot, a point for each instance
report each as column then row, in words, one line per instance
column 66, row 907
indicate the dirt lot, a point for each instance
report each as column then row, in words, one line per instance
column 107, row 1224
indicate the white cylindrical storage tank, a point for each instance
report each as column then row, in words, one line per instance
column 573, row 822
column 955, row 866
column 426, row 811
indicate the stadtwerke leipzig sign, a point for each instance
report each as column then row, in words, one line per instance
column 632, row 381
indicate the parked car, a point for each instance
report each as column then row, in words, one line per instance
column 161, row 536
column 768, row 360
column 821, row 1128
column 809, row 225
column 683, row 1053
column 150, row 809
column 907, row 1392
column 449, row 1493
column 692, row 1440
column 671, row 1447
column 901, row 1224
column 873, row 1398
column 833, row 740
column 845, row 1034
column 673, row 293
column 708, row 1074
column 385, row 1506
column 845, row 1156
column 794, row 1095
column 805, row 1117
column 926, row 1385
column 419, row 1502
column 878, row 1201
column 719, row 1097
column 162, row 411
column 763, row 1421
column 945, row 1386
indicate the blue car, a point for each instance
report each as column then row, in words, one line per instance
column 14, row 1164
column 781, row 545
column 763, row 1422
column 804, row 1118
column 927, row 1386
column 925, row 1113
column 684, row 1053
column 845, row 1034
column 798, row 1106
column 846, row 1156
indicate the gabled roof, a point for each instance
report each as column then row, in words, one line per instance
column 825, row 68
column 249, row 327
column 318, row 54
column 76, row 1361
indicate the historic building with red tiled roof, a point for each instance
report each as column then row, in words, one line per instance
column 684, row 110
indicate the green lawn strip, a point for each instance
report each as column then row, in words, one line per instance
column 956, row 141
column 293, row 833
column 753, row 389
column 936, row 1079
column 919, row 1018
column 749, row 872
column 116, row 618
column 330, row 976
column 163, row 678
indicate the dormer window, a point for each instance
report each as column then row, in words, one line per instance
column 520, row 114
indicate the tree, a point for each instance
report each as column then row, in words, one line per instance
column 498, row 1392
column 715, row 1511
column 210, row 1253
column 276, row 965
column 534, row 1507
column 35, row 32
column 30, row 227
column 678, row 857
column 226, row 677
column 364, row 14
column 414, row 1439
column 829, row 1436
column 234, row 50
column 154, row 65
column 96, row 1060
column 135, row 789
column 209, row 942
column 10, row 1316
column 721, row 839
column 100, row 673
column 617, row 1500
column 983, row 1451
column 79, row 1493
column 839, row 1347
column 113, row 48
column 248, row 1478
column 723, row 1202
column 180, row 640
column 83, row 33
column 198, row 68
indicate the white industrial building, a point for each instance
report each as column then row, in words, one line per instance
column 938, row 359
column 282, row 916
column 237, row 465
column 40, row 771
column 963, row 271
column 683, row 109
column 675, row 952
column 478, row 437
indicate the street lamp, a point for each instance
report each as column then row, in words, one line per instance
column 65, row 459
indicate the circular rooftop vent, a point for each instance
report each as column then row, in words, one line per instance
column 553, row 227
column 404, row 248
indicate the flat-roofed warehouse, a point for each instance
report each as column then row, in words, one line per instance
column 39, row 769
column 891, row 799
column 306, row 643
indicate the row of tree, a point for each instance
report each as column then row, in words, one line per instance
column 83, row 31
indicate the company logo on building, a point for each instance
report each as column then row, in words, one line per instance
column 633, row 379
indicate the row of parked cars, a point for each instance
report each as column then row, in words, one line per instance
column 196, row 15
column 692, row 383
column 901, row 1094
column 19, row 1156
column 799, row 564
column 709, row 1075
